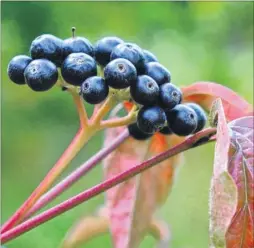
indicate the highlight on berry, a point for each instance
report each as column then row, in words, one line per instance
column 111, row 64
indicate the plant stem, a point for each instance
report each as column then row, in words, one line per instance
column 77, row 174
column 99, row 114
column 126, row 120
column 84, row 133
column 94, row 191
column 81, row 109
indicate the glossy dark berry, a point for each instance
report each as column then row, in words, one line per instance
column 120, row 73
column 200, row 114
column 104, row 47
column 149, row 57
column 16, row 68
column 166, row 130
column 49, row 47
column 77, row 67
column 132, row 52
column 151, row 119
column 145, row 91
column 170, row 96
column 77, row 45
column 136, row 133
column 94, row 90
column 182, row 120
column 41, row 75
column 158, row 72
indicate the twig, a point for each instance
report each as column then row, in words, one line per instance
column 96, row 190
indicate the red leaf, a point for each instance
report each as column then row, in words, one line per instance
column 232, row 186
column 131, row 205
column 204, row 93
column 241, row 168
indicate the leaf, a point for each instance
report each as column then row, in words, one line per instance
column 231, row 197
column 85, row 229
column 241, row 167
column 131, row 205
column 204, row 93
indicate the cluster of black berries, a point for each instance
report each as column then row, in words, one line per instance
column 125, row 65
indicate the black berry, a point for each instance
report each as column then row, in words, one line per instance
column 166, row 130
column 77, row 67
column 182, row 120
column 41, row 75
column 170, row 95
column 94, row 90
column 200, row 115
column 16, row 68
column 104, row 47
column 151, row 119
column 49, row 47
column 132, row 52
column 149, row 57
column 77, row 45
column 120, row 73
column 158, row 72
column 145, row 91
column 136, row 133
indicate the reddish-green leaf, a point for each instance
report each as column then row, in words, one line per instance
column 232, row 198
column 241, row 167
column 204, row 93
column 131, row 205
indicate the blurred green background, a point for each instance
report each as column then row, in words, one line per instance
column 196, row 41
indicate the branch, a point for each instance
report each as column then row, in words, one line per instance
column 77, row 174
column 96, row 190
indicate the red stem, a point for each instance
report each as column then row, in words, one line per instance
column 82, row 136
column 77, row 174
column 47, row 181
column 94, row 191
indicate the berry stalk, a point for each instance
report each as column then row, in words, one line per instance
column 203, row 137
column 101, row 112
column 77, row 174
column 126, row 120
column 84, row 133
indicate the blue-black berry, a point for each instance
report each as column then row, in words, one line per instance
column 137, row 134
column 145, row 91
column 132, row 52
column 77, row 67
column 182, row 120
column 16, row 68
column 170, row 96
column 149, row 57
column 77, row 45
column 151, row 119
column 166, row 130
column 41, row 75
column 94, row 90
column 104, row 47
column 49, row 47
column 158, row 72
column 200, row 114
column 120, row 73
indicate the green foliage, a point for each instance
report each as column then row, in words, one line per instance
column 195, row 41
